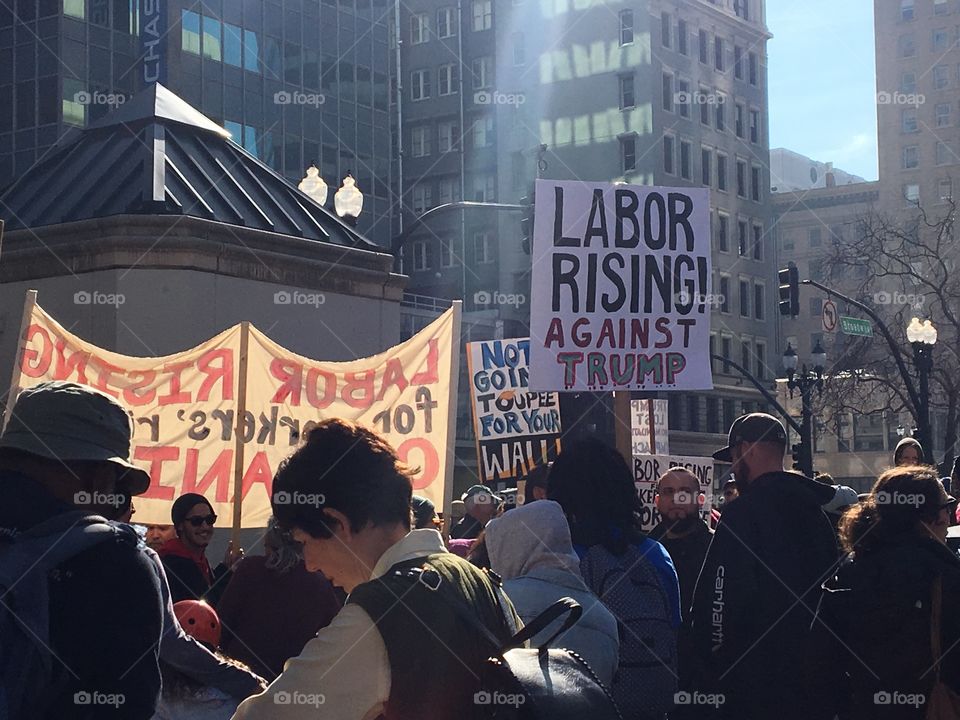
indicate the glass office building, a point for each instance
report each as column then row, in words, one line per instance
column 295, row 81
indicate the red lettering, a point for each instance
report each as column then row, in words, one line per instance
column 64, row 367
column 289, row 373
column 105, row 376
column 218, row 472
column 430, row 375
column 358, row 382
column 430, row 461
column 156, row 456
column 176, row 396
column 142, row 382
column 223, row 373
column 392, row 375
column 36, row 363
column 258, row 472
column 329, row 388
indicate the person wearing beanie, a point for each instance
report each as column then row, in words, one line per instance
column 908, row 452
column 184, row 557
column 424, row 513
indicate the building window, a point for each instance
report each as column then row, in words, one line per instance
column 190, row 32
column 941, row 77
column 232, row 45
column 906, row 9
column 446, row 254
column 74, row 8
column 419, row 248
column 447, row 136
column 741, row 178
column 626, row 27
column 446, row 22
column 668, row 143
column 906, row 46
column 745, row 357
column 745, row 298
column 693, row 413
column 666, row 29
column 758, row 242
column 721, row 172
column 943, row 115
column 448, row 79
column 212, row 42
column 74, row 112
column 946, row 189
column 704, row 42
column 251, row 51
column 701, row 100
column 739, row 120
column 753, row 61
column 483, row 132
column 814, row 237
column 422, row 199
column 755, row 177
column 911, row 157
column 448, row 190
column 627, row 99
column 939, row 39
column 419, row 28
column 482, row 248
column 742, row 238
column 482, row 14
column 944, row 153
column 758, row 301
column 485, row 188
column 725, row 296
column 420, row 85
column 723, row 232
column 908, row 83
column 706, row 167
column 754, row 126
column 683, row 98
column 420, row 141
column 908, row 120
column 760, row 349
column 686, row 172
column 482, row 73
column 721, row 114
column 682, row 37
column 519, row 54
column 742, row 9
column 726, row 344
column 940, row 7
column 718, row 53
column 738, row 62
column 628, row 153
column 911, row 193
column 668, row 92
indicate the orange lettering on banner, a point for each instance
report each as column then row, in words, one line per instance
column 361, row 382
column 144, row 379
column 156, row 456
column 104, row 376
column 65, row 368
column 176, row 396
column 218, row 472
column 392, row 375
column 222, row 373
column 430, row 465
column 329, row 388
column 290, row 373
column 258, row 472
column 428, row 376
column 36, row 363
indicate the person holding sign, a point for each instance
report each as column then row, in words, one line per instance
column 754, row 605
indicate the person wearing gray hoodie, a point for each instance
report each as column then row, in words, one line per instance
column 530, row 548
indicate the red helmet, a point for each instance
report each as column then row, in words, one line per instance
column 199, row 620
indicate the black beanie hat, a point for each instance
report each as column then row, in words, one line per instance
column 184, row 504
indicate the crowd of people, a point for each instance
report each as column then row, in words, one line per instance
column 788, row 597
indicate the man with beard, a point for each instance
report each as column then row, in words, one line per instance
column 755, row 602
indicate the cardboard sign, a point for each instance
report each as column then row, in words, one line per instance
column 649, row 433
column 648, row 469
column 620, row 288
column 516, row 428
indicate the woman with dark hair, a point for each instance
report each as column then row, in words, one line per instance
column 880, row 601
column 632, row 574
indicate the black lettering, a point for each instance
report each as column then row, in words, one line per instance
column 597, row 222
column 655, row 242
column 558, row 239
column 627, row 212
column 566, row 276
column 680, row 208
column 614, row 277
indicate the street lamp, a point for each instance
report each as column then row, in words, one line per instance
column 805, row 381
column 348, row 201
column 922, row 337
column 314, row 186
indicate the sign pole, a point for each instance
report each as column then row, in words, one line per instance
column 621, row 418
column 238, row 435
column 29, row 302
column 456, row 345
column 653, row 430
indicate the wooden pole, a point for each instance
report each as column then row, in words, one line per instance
column 621, row 417
column 238, row 435
column 456, row 344
column 29, row 302
column 653, row 431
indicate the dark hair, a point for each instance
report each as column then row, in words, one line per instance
column 682, row 470
column 346, row 467
column 536, row 478
column 901, row 498
column 594, row 486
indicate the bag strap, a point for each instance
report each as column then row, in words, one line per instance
column 936, row 614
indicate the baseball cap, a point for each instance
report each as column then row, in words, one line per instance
column 482, row 493
column 67, row 421
column 754, row 427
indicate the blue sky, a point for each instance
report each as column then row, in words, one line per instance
column 822, row 81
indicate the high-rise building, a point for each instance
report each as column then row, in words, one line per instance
column 295, row 81
column 918, row 88
column 790, row 171
column 665, row 92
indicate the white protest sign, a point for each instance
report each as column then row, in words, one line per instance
column 647, row 469
column 620, row 288
column 648, row 434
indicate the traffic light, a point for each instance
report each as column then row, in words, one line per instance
column 797, row 448
column 789, row 291
column 526, row 222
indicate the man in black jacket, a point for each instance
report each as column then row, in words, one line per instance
column 66, row 449
column 757, row 593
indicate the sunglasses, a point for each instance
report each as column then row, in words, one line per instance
column 198, row 521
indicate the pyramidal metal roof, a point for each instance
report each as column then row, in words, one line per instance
column 158, row 155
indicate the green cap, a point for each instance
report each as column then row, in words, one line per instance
column 67, row 421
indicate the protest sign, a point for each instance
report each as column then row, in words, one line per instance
column 516, row 428
column 620, row 288
column 647, row 470
column 199, row 421
column 648, row 427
